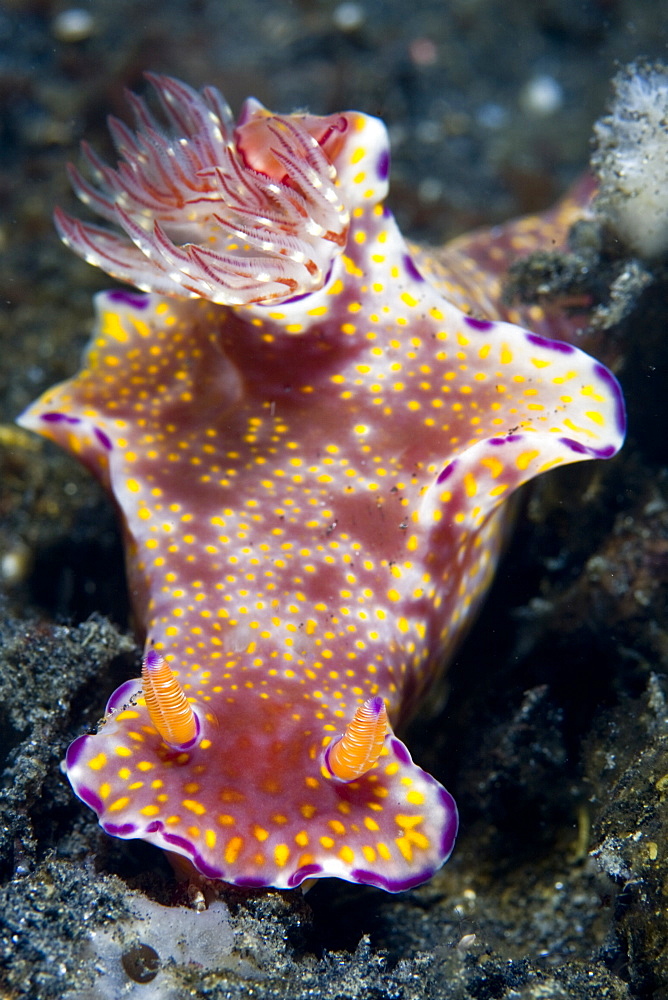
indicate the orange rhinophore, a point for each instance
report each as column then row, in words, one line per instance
column 359, row 748
column 166, row 701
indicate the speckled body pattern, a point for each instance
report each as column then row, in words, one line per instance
column 312, row 493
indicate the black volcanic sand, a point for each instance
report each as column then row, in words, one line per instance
column 553, row 734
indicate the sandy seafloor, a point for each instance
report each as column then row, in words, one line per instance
column 553, row 734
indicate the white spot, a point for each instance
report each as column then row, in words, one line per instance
column 348, row 16
column 542, row 95
column 74, row 25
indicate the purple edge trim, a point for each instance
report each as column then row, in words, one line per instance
column 122, row 830
column 365, row 877
column 583, row 449
column 400, row 751
column 615, row 388
column 121, row 695
column 176, row 841
column 446, row 472
column 88, row 796
column 134, row 299
column 247, row 883
column 508, row 439
column 54, row 417
column 74, row 751
column 451, row 828
column 383, row 164
column 411, row 268
column 104, row 440
column 300, row 874
column 478, row 324
column 551, row 345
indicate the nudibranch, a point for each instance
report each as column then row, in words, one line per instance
column 311, row 450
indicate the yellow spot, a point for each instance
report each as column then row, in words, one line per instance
column 150, row 810
column 133, row 485
column 97, row 763
column 119, row 804
column 405, row 847
column 194, row 806
column 506, row 355
column 301, row 839
column 233, row 849
column 408, row 822
column 524, row 459
column 369, row 853
column 588, row 390
column 210, row 838
column 494, row 465
column 327, row 843
column 347, row 854
column 281, row 855
column 415, row 798
column 384, row 851
column 113, row 328
column 260, row 833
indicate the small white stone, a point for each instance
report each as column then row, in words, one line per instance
column 542, row 95
column 348, row 16
column 15, row 565
column 74, row 25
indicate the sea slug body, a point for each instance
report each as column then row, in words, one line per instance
column 310, row 449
